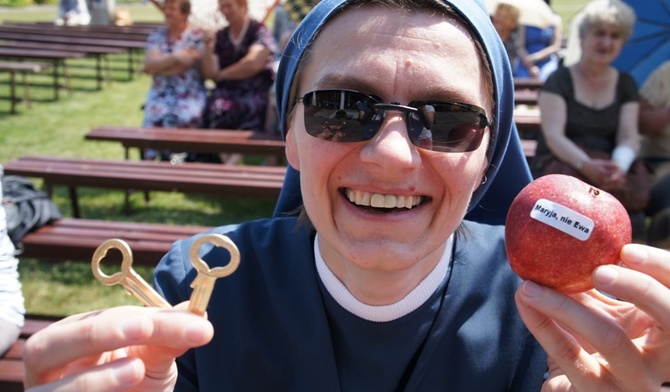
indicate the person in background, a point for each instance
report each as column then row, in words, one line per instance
column 287, row 16
column 506, row 21
column 173, row 58
column 102, row 12
column 655, row 149
column 72, row 13
column 393, row 276
column 591, row 108
column 239, row 58
column 12, row 310
column 282, row 27
column 540, row 48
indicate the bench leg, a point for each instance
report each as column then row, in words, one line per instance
column 26, row 90
column 66, row 77
column 108, row 69
column 56, row 65
column 98, row 71
column 74, row 201
column 12, row 92
column 131, row 65
column 126, row 202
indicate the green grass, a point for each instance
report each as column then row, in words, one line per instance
column 52, row 127
column 58, row 127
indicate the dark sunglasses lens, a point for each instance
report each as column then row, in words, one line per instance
column 350, row 116
column 340, row 115
column 446, row 128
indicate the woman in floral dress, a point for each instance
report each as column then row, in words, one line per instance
column 177, row 95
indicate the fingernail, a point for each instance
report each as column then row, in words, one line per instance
column 129, row 373
column 197, row 331
column 532, row 289
column 635, row 254
column 606, row 274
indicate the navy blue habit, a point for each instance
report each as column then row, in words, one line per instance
column 278, row 329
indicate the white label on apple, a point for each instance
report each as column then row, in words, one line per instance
column 563, row 218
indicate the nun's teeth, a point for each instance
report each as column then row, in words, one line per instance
column 378, row 200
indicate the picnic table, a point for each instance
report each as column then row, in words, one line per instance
column 56, row 58
column 192, row 140
column 65, row 31
column 100, row 53
column 129, row 47
column 14, row 67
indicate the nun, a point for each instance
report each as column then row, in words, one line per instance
column 384, row 267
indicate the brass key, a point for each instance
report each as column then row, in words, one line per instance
column 127, row 277
column 203, row 284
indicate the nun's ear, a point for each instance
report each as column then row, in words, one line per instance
column 291, row 145
column 482, row 176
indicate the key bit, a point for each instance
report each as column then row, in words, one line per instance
column 203, row 284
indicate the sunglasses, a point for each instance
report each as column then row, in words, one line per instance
column 351, row 116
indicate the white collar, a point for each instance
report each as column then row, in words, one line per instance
column 384, row 313
column 237, row 41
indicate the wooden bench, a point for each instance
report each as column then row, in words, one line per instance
column 76, row 239
column 99, row 53
column 127, row 45
column 527, row 83
column 56, row 58
column 134, row 28
column 528, row 126
column 192, row 140
column 529, row 147
column 245, row 142
column 526, row 91
column 11, row 365
column 66, row 31
column 200, row 178
column 22, row 67
column 526, row 97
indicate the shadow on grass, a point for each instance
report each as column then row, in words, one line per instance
column 164, row 207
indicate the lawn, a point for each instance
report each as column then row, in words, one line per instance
column 57, row 128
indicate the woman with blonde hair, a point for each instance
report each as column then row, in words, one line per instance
column 590, row 109
column 506, row 21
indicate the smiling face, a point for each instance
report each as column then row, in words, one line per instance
column 357, row 194
column 174, row 16
column 505, row 19
column 602, row 43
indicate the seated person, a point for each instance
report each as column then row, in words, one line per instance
column 73, row 13
column 11, row 299
column 655, row 149
column 177, row 95
column 589, row 110
column 239, row 58
column 506, row 21
column 391, row 274
column 540, row 47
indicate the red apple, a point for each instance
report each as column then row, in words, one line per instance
column 559, row 229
